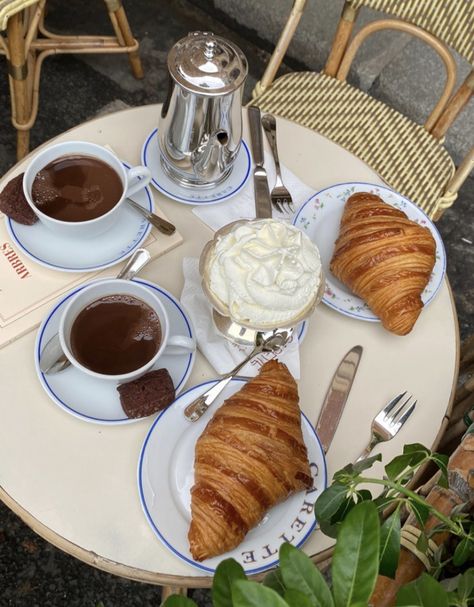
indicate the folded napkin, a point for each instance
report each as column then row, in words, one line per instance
column 222, row 354
column 242, row 205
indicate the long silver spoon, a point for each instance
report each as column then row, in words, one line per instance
column 267, row 342
column 52, row 358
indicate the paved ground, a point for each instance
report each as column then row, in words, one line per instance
column 32, row 572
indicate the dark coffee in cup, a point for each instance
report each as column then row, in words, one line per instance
column 115, row 334
column 76, row 188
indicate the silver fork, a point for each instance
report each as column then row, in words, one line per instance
column 388, row 421
column 281, row 198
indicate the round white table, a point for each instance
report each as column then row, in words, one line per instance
column 74, row 483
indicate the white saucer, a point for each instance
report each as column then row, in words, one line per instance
column 70, row 255
column 166, row 475
column 96, row 400
column 195, row 196
column 320, row 217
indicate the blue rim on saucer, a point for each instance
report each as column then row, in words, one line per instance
column 135, row 234
column 176, row 410
column 311, row 216
column 53, row 384
column 197, row 196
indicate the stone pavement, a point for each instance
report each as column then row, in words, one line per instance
column 73, row 89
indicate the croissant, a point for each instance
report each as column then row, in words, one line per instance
column 384, row 258
column 250, row 456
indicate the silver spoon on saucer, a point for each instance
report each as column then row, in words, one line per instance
column 160, row 224
column 52, row 358
column 269, row 341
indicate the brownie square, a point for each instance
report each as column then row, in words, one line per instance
column 13, row 202
column 148, row 394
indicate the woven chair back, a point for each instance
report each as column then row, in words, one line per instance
column 451, row 21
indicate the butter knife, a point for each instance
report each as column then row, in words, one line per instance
column 336, row 397
column 263, row 203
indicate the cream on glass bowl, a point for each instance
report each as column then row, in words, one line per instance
column 263, row 274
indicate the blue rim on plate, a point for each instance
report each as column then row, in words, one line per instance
column 330, row 295
column 192, row 201
column 190, row 561
column 56, row 398
column 142, row 233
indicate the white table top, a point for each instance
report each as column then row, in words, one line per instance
column 75, row 483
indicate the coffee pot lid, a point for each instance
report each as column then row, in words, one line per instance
column 207, row 64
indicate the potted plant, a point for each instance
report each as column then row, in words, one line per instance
column 371, row 549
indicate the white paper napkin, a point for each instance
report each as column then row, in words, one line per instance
column 222, row 354
column 242, row 205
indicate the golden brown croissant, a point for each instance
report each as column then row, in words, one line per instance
column 250, row 456
column 384, row 258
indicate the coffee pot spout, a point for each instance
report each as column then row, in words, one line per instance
column 211, row 157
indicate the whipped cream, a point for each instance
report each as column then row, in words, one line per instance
column 266, row 272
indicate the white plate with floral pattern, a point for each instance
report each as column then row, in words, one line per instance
column 166, row 475
column 320, row 217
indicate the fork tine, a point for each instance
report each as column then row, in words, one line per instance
column 291, row 206
column 386, row 410
column 406, row 415
column 277, row 205
column 399, row 412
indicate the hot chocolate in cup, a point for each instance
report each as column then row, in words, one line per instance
column 117, row 330
column 76, row 188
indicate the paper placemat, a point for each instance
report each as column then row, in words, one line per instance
column 28, row 290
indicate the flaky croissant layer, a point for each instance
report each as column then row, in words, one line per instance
column 384, row 258
column 250, row 457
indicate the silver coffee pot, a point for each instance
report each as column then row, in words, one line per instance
column 200, row 129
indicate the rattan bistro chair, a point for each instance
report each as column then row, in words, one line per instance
column 408, row 156
column 27, row 43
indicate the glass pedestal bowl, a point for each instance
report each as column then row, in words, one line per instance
column 238, row 331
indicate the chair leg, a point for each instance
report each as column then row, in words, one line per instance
column 18, row 73
column 167, row 591
column 124, row 34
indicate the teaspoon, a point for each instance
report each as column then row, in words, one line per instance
column 266, row 342
column 52, row 358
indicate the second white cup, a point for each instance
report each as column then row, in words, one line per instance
column 171, row 344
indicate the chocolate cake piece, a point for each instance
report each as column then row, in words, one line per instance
column 13, row 202
column 147, row 394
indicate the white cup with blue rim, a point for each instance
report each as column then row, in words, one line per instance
column 133, row 180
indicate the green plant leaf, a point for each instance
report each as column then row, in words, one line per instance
column 364, row 495
column 390, row 545
column 463, row 551
column 274, row 581
column 424, row 592
column 397, row 465
column 356, row 557
column 366, row 463
column 442, row 462
column 420, row 511
column 252, row 594
column 418, row 450
column 299, row 573
column 178, row 601
column 227, row 571
column 466, row 585
column 422, row 543
column 329, row 502
column 295, row 598
column 451, row 583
